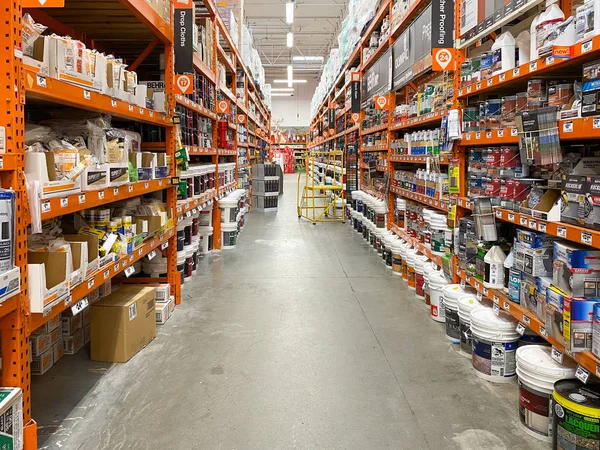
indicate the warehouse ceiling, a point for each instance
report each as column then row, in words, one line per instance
column 316, row 27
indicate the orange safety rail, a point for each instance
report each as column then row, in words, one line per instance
column 149, row 17
column 586, row 359
column 186, row 102
column 442, row 205
column 55, row 207
column 374, row 129
column 582, row 52
column 419, row 159
column 426, row 119
column 56, row 91
column 201, row 67
column 102, row 276
column 422, row 248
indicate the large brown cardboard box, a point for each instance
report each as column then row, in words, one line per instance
column 122, row 323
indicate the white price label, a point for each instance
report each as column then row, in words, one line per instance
column 46, row 207
column 468, row 89
column 496, row 310
column 101, row 195
column 129, row 271
column 502, row 77
column 81, row 198
column 131, row 257
column 549, row 60
column 478, row 135
column 557, row 355
column 532, row 224
column 140, row 251
column 499, row 214
column 113, row 102
column 496, row 299
column 596, row 123
column 490, row 81
column 91, row 283
column 64, row 202
column 516, row 72
column 586, row 46
column 194, row 211
column 543, row 332
column 152, row 243
column 568, row 126
column 463, row 284
column 106, row 274
column 116, row 267
column 523, row 221
column 514, row 132
column 582, row 374
column 477, row 285
column 526, row 320
column 506, row 305
column 141, row 110
column 116, row 192
column 542, row 227
column 586, row 238
column 468, row 136
column 488, row 134
column 130, row 188
column 532, row 66
column 561, row 232
column 188, row 213
column 41, row 81
column 520, row 328
column 500, row 133
column 485, row 292
column 130, row 108
column 151, row 255
column 151, row 113
column 478, row 86
column 164, row 245
column 479, row 296
column 146, row 184
column 80, row 306
column 511, row 217
column 86, row 94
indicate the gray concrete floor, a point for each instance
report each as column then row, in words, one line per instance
column 298, row 338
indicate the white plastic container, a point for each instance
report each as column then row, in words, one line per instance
column 537, row 373
column 494, row 268
column 523, row 43
column 503, row 53
column 495, row 343
column 205, row 234
column 229, row 209
column 451, row 294
column 438, row 234
column 228, row 235
column 437, row 283
column 419, row 276
column 466, row 304
column 533, row 53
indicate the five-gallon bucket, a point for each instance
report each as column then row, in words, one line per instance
column 466, row 304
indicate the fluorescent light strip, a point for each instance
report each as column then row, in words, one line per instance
column 290, row 74
column 287, row 81
column 289, row 13
column 290, row 39
column 282, row 94
column 308, row 58
column 282, row 89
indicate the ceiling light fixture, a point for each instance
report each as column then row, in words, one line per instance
column 290, row 39
column 290, row 74
column 286, row 81
column 282, row 89
column 308, row 58
column 282, row 94
column 289, row 13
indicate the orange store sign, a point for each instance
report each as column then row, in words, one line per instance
column 184, row 84
column 223, row 106
column 442, row 59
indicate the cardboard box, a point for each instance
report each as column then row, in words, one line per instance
column 86, row 334
column 94, row 296
column 144, row 162
column 70, row 323
column 11, row 417
column 50, row 325
column 532, row 239
column 93, row 255
column 85, row 317
column 536, row 262
column 122, row 323
column 162, row 293
column 596, row 331
column 162, row 313
column 94, row 178
column 118, row 174
column 72, row 344
column 55, row 335
column 590, row 104
column 576, row 256
column 10, row 283
column 79, row 259
column 40, row 343
column 578, row 316
column 48, row 279
column 105, row 289
column 171, row 305
column 57, row 351
column 554, row 313
column 42, row 363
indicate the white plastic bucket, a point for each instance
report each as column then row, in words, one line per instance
column 228, row 235
column 229, row 209
column 466, row 304
column 537, row 373
column 495, row 343
column 451, row 295
column 397, row 257
column 410, row 262
column 437, row 283
column 419, row 276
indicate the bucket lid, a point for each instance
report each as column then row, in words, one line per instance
column 453, row 292
column 486, row 318
column 538, row 359
column 468, row 303
column 585, row 396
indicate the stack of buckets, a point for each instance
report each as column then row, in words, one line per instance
column 233, row 209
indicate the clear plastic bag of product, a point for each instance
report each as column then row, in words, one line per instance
column 38, row 133
column 31, row 32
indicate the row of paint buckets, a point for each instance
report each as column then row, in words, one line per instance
column 497, row 351
column 233, row 210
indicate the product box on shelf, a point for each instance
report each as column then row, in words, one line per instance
column 10, row 283
column 532, row 239
column 548, row 208
column 554, row 313
column 576, row 270
column 104, row 289
column 57, row 350
column 72, row 344
column 11, row 417
column 93, row 257
column 48, row 278
column 590, row 102
column 162, row 293
column 86, row 334
column 41, row 166
column 50, row 325
column 94, row 177
column 596, row 331
column 70, row 323
column 171, row 305
column 118, row 174
column 576, row 256
column 122, row 323
column 162, row 313
column 536, row 262
column 144, row 163
column 41, row 364
column 79, row 258
column 577, row 324
column 55, row 335
column 40, row 343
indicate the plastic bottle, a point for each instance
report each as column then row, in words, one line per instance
column 549, row 19
column 523, row 46
column 508, row 263
column 503, row 53
column 533, row 54
column 592, row 18
column 494, row 268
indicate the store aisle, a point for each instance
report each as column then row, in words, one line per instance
column 298, row 338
